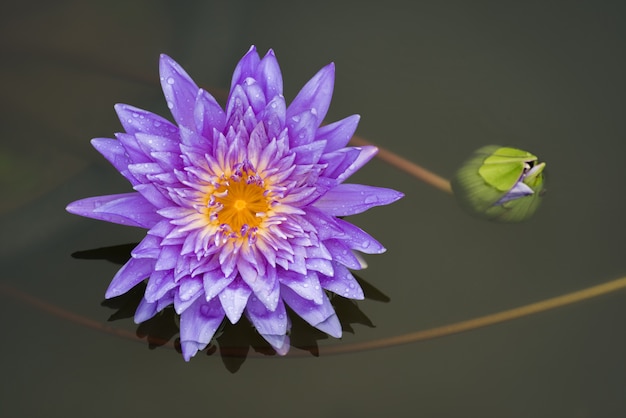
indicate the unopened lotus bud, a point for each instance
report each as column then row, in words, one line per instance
column 500, row 183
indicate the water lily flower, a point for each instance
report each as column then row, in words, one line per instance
column 243, row 205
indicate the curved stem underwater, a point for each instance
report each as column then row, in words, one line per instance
column 407, row 166
column 428, row 334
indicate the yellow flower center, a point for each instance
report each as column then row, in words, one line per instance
column 241, row 202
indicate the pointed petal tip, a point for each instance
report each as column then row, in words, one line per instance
column 280, row 343
column 189, row 349
column 111, row 293
column 164, row 58
column 331, row 326
column 71, row 208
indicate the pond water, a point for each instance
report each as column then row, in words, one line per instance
column 432, row 81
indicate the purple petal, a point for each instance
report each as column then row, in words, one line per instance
column 302, row 127
column 274, row 117
column 519, row 190
column 309, row 153
column 130, row 209
column 350, row 199
column 159, row 283
column 247, row 67
column 338, row 134
column 180, row 91
column 113, row 151
column 153, row 143
column 145, row 311
column 269, row 292
column 306, row 286
column 320, row 265
column 358, row 239
column 141, row 171
column 326, row 226
column 342, row 283
column 149, row 247
column 209, row 115
column 168, row 257
column 269, row 76
column 135, row 153
column 135, row 120
column 198, row 324
column 132, row 273
column 254, row 93
column 214, row 282
column 342, row 254
column 272, row 325
column 366, row 154
column 154, row 195
column 234, row 299
column 321, row 316
column 316, row 94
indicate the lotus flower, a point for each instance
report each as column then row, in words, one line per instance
column 243, row 205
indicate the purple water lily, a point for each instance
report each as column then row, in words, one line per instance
column 241, row 205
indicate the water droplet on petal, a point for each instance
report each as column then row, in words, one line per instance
column 170, row 80
column 370, row 199
column 170, row 105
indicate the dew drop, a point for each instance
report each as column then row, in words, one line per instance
column 170, row 80
column 204, row 309
column 370, row 199
column 170, row 105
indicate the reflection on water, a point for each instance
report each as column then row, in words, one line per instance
column 232, row 341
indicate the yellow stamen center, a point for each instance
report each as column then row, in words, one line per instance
column 242, row 202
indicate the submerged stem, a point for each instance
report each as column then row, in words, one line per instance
column 407, row 166
column 483, row 321
column 428, row 334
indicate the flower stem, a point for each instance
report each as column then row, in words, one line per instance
column 428, row 334
column 483, row 321
column 407, row 166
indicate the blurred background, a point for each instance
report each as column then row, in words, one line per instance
column 432, row 81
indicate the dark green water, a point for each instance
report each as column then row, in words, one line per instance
column 432, row 81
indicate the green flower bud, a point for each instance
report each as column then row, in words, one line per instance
column 500, row 183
